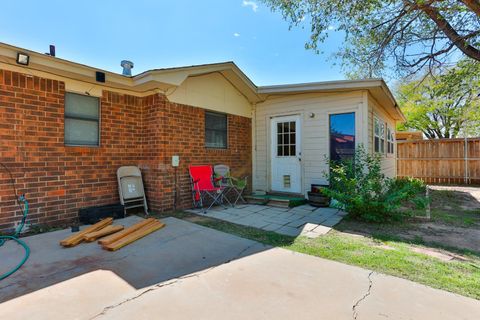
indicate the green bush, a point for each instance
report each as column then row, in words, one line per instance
column 361, row 189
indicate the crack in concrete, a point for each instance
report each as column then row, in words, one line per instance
column 355, row 306
column 171, row 282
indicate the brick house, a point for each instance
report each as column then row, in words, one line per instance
column 65, row 128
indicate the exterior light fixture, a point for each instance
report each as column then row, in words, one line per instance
column 311, row 115
column 23, row 58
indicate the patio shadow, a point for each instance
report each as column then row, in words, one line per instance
column 179, row 249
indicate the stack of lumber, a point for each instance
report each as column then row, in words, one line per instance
column 137, row 231
column 92, row 236
column 78, row 237
column 113, row 237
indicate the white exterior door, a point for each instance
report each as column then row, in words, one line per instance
column 286, row 154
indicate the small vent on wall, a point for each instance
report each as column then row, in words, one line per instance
column 286, row 181
column 100, row 76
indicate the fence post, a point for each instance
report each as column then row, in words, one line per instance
column 465, row 153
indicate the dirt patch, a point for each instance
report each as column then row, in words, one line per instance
column 385, row 246
column 453, row 197
column 195, row 218
column 449, row 236
column 454, row 224
column 433, row 253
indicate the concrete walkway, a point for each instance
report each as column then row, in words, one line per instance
column 303, row 220
column 280, row 284
column 186, row 271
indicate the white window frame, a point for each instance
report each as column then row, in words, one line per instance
column 390, row 141
column 379, row 133
column 66, row 116
column 209, row 145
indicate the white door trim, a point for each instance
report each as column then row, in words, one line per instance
column 286, row 172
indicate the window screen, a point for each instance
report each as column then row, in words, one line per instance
column 342, row 136
column 82, row 119
column 216, row 130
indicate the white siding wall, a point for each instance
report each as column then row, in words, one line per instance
column 212, row 92
column 315, row 142
column 389, row 163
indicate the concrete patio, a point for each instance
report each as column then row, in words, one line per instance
column 304, row 220
column 186, row 271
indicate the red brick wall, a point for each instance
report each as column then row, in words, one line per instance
column 58, row 179
column 176, row 129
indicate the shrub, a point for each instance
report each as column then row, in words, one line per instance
column 365, row 193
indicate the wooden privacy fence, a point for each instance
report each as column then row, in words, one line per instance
column 440, row 161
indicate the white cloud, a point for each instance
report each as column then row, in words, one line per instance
column 331, row 28
column 236, row 34
column 252, row 4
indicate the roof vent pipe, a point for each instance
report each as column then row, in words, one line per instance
column 127, row 67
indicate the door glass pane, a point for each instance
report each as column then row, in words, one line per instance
column 286, row 151
column 342, row 136
column 279, row 151
column 286, row 138
column 292, row 151
column 292, row 126
column 280, row 127
column 280, row 138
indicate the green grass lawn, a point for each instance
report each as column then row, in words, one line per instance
column 390, row 256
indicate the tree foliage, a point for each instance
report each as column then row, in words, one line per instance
column 443, row 105
column 413, row 34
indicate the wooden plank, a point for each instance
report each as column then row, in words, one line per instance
column 127, row 231
column 92, row 236
column 78, row 237
column 140, row 233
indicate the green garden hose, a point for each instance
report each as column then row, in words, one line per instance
column 18, row 230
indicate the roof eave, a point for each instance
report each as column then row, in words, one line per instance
column 336, row 86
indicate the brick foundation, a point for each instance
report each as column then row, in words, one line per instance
column 58, row 179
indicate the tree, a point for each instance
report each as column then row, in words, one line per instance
column 412, row 34
column 445, row 105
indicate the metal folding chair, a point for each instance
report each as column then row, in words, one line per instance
column 203, row 188
column 231, row 184
column 130, row 188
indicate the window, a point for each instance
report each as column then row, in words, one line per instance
column 379, row 135
column 390, row 141
column 286, row 139
column 342, row 136
column 215, row 130
column 82, row 120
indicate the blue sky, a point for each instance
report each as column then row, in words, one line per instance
column 157, row 34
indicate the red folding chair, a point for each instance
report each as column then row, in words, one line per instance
column 203, row 188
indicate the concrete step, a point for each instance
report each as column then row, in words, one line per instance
column 274, row 200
